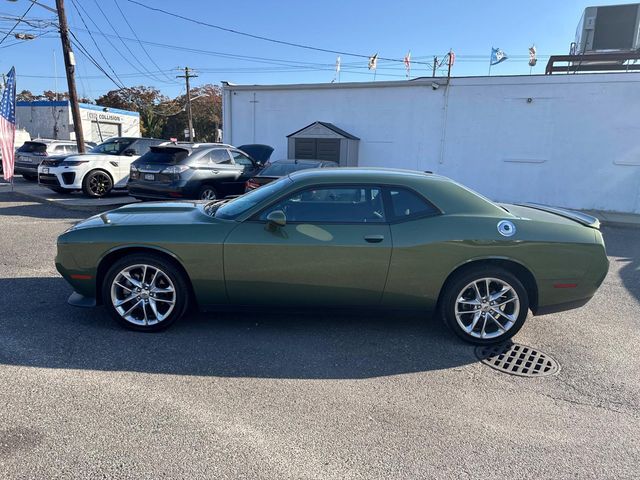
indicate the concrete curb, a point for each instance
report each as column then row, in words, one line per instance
column 66, row 206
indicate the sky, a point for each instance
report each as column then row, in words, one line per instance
column 137, row 46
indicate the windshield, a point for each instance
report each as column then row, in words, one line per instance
column 113, row 147
column 280, row 169
column 237, row 206
column 164, row 155
column 33, row 147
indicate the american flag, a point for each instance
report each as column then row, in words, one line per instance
column 8, row 125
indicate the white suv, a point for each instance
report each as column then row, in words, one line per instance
column 96, row 173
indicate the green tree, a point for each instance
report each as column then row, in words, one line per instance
column 206, row 106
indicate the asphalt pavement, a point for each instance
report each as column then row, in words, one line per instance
column 303, row 395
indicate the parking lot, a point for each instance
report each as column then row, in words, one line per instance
column 303, row 395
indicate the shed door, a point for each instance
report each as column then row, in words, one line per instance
column 318, row 148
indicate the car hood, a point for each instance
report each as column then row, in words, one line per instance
column 92, row 156
column 150, row 213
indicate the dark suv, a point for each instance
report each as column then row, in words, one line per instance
column 198, row 171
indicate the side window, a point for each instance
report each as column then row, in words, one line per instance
column 72, row 148
column 408, row 204
column 60, row 149
column 332, row 204
column 241, row 159
column 218, row 156
column 221, row 156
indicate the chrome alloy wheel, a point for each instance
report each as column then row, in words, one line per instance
column 487, row 308
column 143, row 294
column 208, row 194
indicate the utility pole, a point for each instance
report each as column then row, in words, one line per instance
column 187, row 75
column 435, row 65
column 70, row 66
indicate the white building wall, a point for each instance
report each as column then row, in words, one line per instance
column 46, row 119
column 565, row 140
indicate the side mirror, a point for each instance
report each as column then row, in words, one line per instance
column 277, row 218
column 129, row 152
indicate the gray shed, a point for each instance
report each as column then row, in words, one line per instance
column 324, row 141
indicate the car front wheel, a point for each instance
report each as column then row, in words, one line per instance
column 145, row 292
column 485, row 305
column 97, row 183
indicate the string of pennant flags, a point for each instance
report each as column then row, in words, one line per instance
column 496, row 57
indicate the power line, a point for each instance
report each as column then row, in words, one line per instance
column 75, row 5
column 138, row 39
column 260, row 37
column 107, row 37
column 124, row 44
column 17, row 23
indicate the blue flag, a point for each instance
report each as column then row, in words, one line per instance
column 497, row 56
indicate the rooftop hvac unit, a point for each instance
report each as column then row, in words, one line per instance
column 614, row 28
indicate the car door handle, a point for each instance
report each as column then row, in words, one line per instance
column 374, row 238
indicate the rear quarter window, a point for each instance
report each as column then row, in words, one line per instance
column 407, row 204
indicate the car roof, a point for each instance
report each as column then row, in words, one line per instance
column 364, row 174
column 48, row 141
column 188, row 147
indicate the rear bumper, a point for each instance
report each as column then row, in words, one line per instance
column 561, row 307
column 26, row 168
column 162, row 191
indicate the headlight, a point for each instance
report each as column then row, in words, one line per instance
column 133, row 168
column 175, row 169
column 74, row 163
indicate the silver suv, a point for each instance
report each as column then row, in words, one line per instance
column 32, row 153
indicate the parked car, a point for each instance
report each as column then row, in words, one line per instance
column 339, row 237
column 197, row 171
column 33, row 152
column 259, row 152
column 280, row 168
column 97, row 172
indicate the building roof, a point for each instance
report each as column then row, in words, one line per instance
column 330, row 126
column 86, row 106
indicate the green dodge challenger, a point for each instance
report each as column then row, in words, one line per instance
column 339, row 237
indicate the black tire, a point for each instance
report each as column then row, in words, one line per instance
column 456, row 289
column 207, row 189
column 167, row 268
column 97, row 184
column 29, row 178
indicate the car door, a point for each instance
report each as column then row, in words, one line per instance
column 121, row 164
column 213, row 167
column 335, row 249
column 247, row 169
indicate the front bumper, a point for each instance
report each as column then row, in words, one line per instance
column 61, row 177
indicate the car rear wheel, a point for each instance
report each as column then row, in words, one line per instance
column 97, row 183
column 145, row 292
column 207, row 192
column 485, row 305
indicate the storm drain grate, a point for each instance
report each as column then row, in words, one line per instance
column 517, row 360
